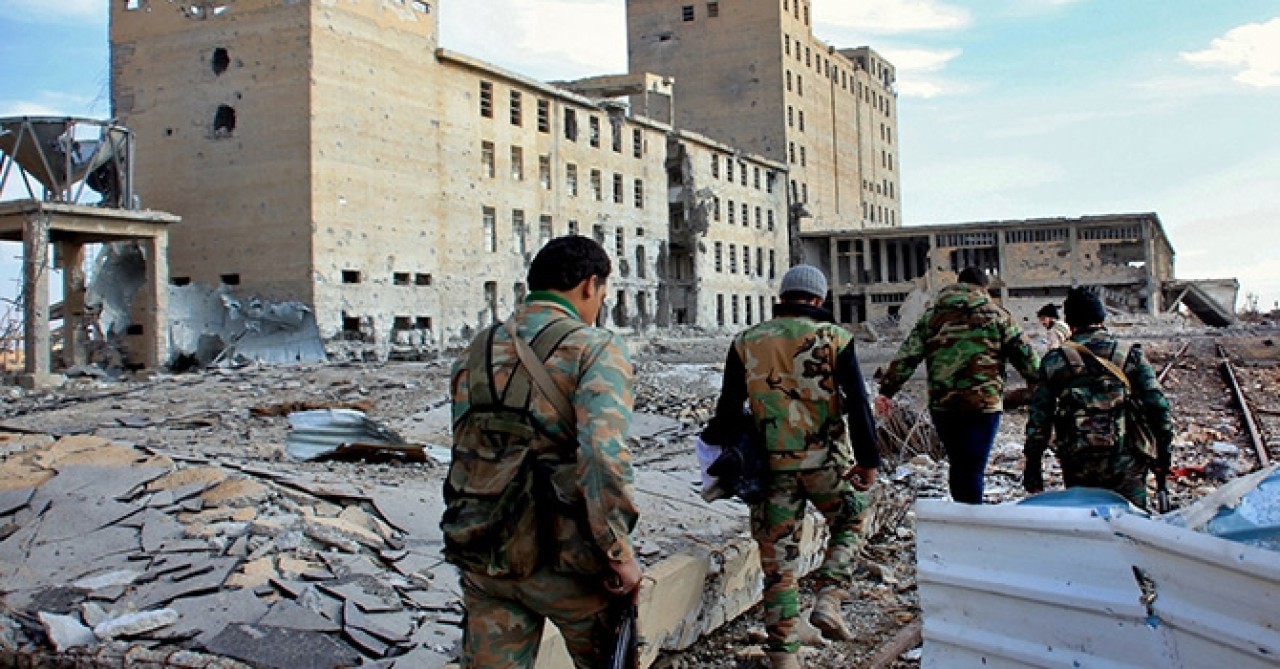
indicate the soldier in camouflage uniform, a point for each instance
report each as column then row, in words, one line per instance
column 1095, row 450
column 799, row 374
column 589, row 561
column 965, row 339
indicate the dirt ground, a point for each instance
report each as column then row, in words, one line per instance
column 240, row 415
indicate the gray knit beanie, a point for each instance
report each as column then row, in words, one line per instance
column 805, row 279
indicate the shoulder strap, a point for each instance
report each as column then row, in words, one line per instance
column 531, row 361
column 480, row 368
column 1110, row 366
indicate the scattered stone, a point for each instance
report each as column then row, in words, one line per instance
column 134, row 624
column 67, row 632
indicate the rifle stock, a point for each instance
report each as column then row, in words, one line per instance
column 626, row 647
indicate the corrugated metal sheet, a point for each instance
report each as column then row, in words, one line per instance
column 1027, row 586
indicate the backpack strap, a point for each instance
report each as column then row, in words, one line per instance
column 531, row 360
column 480, row 368
column 1110, row 366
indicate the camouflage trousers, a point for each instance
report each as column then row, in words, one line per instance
column 504, row 618
column 1125, row 474
column 776, row 526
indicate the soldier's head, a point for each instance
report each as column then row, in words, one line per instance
column 805, row 284
column 575, row 267
column 1084, row 308
column 1048, row 314
column 974, row 277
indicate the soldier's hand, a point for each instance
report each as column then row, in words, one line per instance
column 862, row 478
column 884, row 405
column 624, row 578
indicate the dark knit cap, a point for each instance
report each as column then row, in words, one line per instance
column 1083, row 308
column 1049, row 311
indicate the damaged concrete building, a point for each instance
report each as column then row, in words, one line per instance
column 408, row 217
column 1032, row 262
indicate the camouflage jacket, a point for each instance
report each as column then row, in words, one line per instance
column 965, row 339
column 799, row 373
column 1057, row 375
column 593, row 370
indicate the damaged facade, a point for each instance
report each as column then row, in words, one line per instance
column 407, row 219
column 1031, row 262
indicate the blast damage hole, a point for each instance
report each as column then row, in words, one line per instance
column 221, row 61
column 224, row 121
column 231, row 279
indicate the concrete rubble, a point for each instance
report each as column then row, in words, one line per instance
column 142, row 518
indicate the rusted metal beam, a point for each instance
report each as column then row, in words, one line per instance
column 1229, row 372
column 907, row 638
column 1168, row 367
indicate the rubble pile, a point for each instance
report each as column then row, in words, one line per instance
column 108, row 546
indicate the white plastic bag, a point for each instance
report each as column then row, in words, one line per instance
column 707, row 455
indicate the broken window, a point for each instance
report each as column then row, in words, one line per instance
column 544, row 171
column 746, row 259
column 742, row 172
column 715, row 166
column 423, row 323
column 517, row 111
column 686, row 13
column 637, row 143
column 545, row 231
column 772, row 265
column 597, row 185
column 518, row 232
column 571, row 179
column 719, row 257
column 573, row 227
column 422, row 279
column 733, row 259
column 486, row 99
column 715, row 208
column 180, row 280
column 731, row 209
column 639, row 193
column 1036, row 236
column 617, row 188
column 641, row 272
column 350, row 326
column 760, row 264
column 490, row 229
column 746, row 300
column 713, row 9
column 720, row 310
column 400, row 278
column 491, row 298
column 735, row 309
column 571, row 125
column 220, row 61
column 594, row 123
column 755, row 177
column 617, row 134
column 1122, row 232
column 746, row 215
column 597, row 233
column 350, row 276
column 517, row 163
column 487, row 160
column 544, row 115
column 224, row 121
column 728, row 169
column 620, row 244
column 759, row 218
column 230, row 279
column 402, row 323
column 800, row 120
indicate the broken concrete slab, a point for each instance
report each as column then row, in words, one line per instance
column 290, row 615
column 278, row 648
column 13, row 499
column 319, row 433
column 205, row 616
column 134, row 624
column 368, row 592
column 66, row 632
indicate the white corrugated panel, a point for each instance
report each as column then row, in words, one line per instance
column 1023, row 586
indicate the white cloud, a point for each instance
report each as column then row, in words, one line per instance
column 54, row 10
column 1253, row 49
column 544, row 39
column 892, row 16
column 918, row 68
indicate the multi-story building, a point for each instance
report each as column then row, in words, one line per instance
column 751, row 74
column 729, row 241
column 331, row 153
column 1031, row 263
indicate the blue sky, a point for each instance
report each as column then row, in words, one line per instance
column 1007, row 109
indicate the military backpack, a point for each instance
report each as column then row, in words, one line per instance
column 1097, row 413
column 504, row 512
